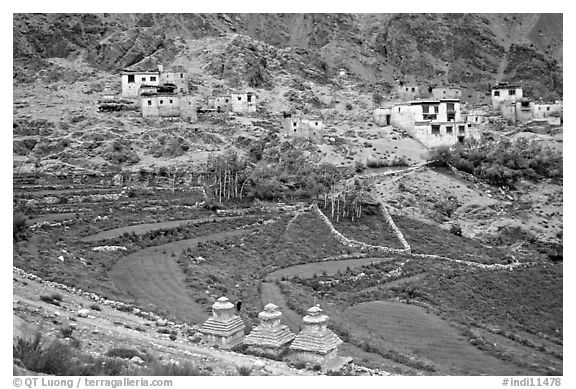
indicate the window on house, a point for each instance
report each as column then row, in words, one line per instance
column 294, row 130
column 496, row 93
column 170, row 101
column 413, row 89
column 315, row 123
column 152, row 78
column 239, row 98
column 149, row 102
column 435, row 130
column 449, row 129
column 130, row 78
column 462, row 129
column 512, row 92
column 476, row 119
column 181, row 75
column 547, row 108
column 161, row 101
column 469, row 124
column 249, row 98
column 226, row 100
column 143, row 78
column 295, row 124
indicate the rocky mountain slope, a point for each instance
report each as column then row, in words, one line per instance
column 468, row 49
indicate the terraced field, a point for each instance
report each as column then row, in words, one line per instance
column 411, row 330
column 152, row 276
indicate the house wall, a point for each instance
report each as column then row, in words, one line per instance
column 149, row 106
column 243, row 102
column 131, row 89
column 383, row 116
column 446, row 93
column 524, row 114
column 223, row 103
column 408, row 92
column 443, row 111
column 422, row 132
column 188, row 108
column 505, row 96
column 404, row 115
column 301, row 127
column 180, row 79
column 545, row 110
column 475, row 117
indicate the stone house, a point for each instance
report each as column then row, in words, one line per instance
column 475, row 116
column 298, row 126
column 407, row 91
column 525, row 110
column 234, row 102
column 434, row 122
column 176, row 75
column 503, row 93
column 383, row 116
column 162, row 103
column 133, row 80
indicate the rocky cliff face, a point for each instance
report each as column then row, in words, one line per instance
column 472, row 50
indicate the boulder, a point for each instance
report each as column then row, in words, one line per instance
column 83, row 312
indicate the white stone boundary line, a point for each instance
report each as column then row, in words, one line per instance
column 510, row 266
column 397, row 231
column 351, row 242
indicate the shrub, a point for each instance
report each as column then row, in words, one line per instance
column 50, row 300
column 95, row 307
column 19, row 227
column 316, row 367
column 56, row 296
column 35, row 356
column 456, row 229
column 173, row 337
column 66, row 332
column 244, row 370
column 124, row 353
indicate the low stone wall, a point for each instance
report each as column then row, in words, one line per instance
column 357, row 244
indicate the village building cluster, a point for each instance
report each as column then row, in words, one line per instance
column 434, row 116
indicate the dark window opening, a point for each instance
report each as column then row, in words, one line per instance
column 295, row 124
column 170, row 101
column 130, row 78
column 449, row 129
column 152, row 78
column 462, row 129
column 547, row 108
column 496, row 93
column 469, row 124
column 451, row 116
column 161, row 101
column 239, row 98
column 512, row 92
column 435, row 130
column 461, row 139
column 249, row 98
column 181, row 75
column 413, row 89
column 226, row 100
column 143, row 78
column 315, row 123
column 149, row 102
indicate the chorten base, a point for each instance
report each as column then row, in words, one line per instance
column 267, row 351
column 224, row 342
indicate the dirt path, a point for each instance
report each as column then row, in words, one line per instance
column 152, row 276
column 140, row 229
column 271, row 293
